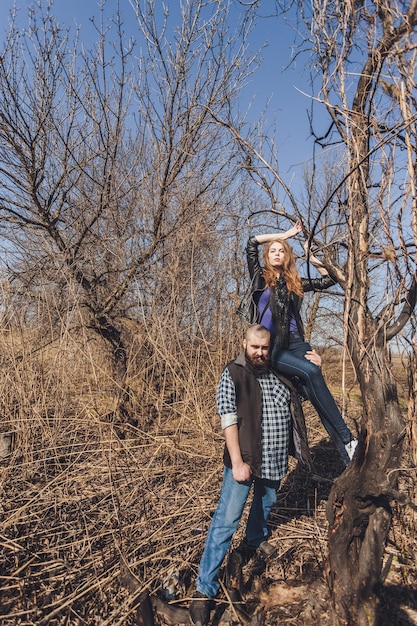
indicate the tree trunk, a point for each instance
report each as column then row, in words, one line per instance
column 359, row 506
column 412, row 404
column 113, row 338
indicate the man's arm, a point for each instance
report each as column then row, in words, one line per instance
column 241, row 470
column 226, row 408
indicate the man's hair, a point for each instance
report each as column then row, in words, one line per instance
column 260, row 368
column 256, row 329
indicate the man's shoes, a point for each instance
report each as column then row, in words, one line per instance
column 200, row 609
column 350, row 448
column 266, row 550
column 246, row 549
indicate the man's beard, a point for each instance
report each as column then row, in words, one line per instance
column 257, row 367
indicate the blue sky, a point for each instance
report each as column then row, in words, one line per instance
column 287, row 105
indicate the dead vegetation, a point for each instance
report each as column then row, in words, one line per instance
column 81, row 494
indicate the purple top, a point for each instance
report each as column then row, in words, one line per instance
column 265, row 314
column 293, row 324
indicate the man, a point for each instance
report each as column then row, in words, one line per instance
column 259, row 412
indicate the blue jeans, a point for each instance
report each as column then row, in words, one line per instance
column 292, row 362
column 225, row 521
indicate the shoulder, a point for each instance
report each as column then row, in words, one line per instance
column 285, row 381
column 280, row 377
column 238, row 371
column 236, row 366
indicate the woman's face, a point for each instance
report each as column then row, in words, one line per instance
column 276, row 255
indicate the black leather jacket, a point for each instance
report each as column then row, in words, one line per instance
column 289, row 301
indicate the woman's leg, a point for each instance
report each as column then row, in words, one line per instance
column 292, row 363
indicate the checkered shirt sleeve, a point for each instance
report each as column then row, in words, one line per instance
column 226, row 400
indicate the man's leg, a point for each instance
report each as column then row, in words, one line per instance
column 225, row 521
column 264, row 498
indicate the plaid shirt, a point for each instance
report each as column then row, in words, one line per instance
column 276, row 419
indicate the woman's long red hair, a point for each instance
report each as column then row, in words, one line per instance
column 289, row 270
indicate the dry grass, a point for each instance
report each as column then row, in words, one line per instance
column 80, row 492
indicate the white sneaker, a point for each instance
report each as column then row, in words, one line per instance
column 351, row 447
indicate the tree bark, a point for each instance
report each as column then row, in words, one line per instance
column 359, row 506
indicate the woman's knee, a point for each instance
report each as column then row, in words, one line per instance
column 313, row 374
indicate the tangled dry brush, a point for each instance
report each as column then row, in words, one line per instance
column 83, row 494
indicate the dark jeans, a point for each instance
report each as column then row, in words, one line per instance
column 292, row 362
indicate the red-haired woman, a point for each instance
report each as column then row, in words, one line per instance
column 274, row 300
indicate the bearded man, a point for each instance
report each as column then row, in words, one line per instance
column 262, row 418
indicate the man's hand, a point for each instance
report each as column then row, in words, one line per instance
column 312, row 356
column 241, row 472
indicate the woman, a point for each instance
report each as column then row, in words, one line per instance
column 274, row 300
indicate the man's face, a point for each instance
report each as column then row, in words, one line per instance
column 257, row 348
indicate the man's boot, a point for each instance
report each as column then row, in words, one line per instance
column 200, row 609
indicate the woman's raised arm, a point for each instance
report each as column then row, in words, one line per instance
column 315, row 261
column 291, row 232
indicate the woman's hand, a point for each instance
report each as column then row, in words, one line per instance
column 293, row 231
column 314, row 260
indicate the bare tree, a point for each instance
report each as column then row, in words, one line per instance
column 375, row 121
column 67, row 198
column 107, row 159
column 363, row 74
